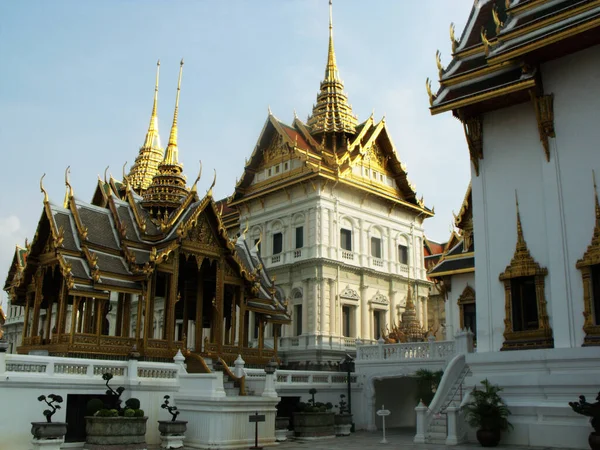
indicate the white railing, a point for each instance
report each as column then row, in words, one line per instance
column 378, row 262
column 275, row 259
column 318, row 341
column 297, row 253
column 89, row 368
column 347, row 255
column 409, row 351
column 301, row 377
column 403, row 268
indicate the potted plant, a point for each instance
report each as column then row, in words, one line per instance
column 313, row 420
column 343, row 419
column 110, row 425
column 488, row 413
column 427, row 384
column 48, row 429
column 281, row 428
column 172, row 432
column 591, row 410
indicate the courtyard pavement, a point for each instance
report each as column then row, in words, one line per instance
column 397, row 439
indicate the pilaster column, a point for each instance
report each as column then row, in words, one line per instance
column 365, row 329
column 315, row 306
column 333, row 310
column 322, row 306
column 169, row 307
column 393, row 311
column 304, row 319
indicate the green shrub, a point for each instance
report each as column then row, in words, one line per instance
column 139, row 413
column 132, row 403
column 129, row 413
column 107, row 413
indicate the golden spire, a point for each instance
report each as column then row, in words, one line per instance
column 168, row 189
column 151, row 153
column 332, row 113
column 172, row 153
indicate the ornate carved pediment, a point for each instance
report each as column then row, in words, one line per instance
column 349, row 294
column 201, row 234
column 277, row 149
column 375, row 158
column 467, row 296
column 380, row 299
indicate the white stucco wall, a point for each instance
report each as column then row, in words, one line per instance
column 458, row 284
column 555, row 198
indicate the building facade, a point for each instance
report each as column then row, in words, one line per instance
column 337, row 223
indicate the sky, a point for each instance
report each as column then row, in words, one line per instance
column 77, row 82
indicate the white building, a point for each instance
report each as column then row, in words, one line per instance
column 524, row 83
column 338, row 222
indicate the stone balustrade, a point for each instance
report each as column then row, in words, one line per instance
column 432, row 350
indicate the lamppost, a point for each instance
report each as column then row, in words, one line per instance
column 347, row 365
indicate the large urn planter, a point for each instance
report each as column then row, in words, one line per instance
column 594, row 440
column 488, row 438
column 106, row 432
column 591, row 410
column 172, row 433
column 343, row 424
column 314, row 425
column 281, row 428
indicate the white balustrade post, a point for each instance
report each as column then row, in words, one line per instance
column 239, row 363
column 452, row 414
column 179, row 359
column 421, row 410
column 380, row 342
column 431, row 341
column 132, row 365
column 464, row 341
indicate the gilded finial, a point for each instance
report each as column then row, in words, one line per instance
column 596, row 199
column 43, row 190
column 124, row 174
column 429, row 93
column 331, row 70
column 295, row 114
column 245, row 229
column 497, row 21
column 269, row 110
column 69, row 192
column 210, row 192
column 453, row 40
column 438, row 62
column 520, row 238
column 198, row 177
column 485, row 41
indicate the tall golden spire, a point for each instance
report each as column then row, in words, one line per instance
column 332, row 113
column 168, row 188
column 172, row 153
column 151, row 153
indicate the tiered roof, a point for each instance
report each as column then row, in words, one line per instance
column 494, row 63
column 328, row 147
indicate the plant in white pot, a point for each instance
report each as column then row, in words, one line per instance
column 44, row 432
column 172, row 432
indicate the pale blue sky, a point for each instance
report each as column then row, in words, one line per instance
column 77, row 79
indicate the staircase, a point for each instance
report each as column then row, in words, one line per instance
column 437, row 432
column 231, row 390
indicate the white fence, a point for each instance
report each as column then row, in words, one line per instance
column 443, row 350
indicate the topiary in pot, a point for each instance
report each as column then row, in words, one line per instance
column 172, row 432
column 592, row 410
column 49, row 429
column 314, row 419
column 488, row 413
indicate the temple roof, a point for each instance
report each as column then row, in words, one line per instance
column 371, row 149
column 115, row 247
column 495, row 62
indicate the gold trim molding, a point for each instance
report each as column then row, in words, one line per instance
column 523, row 265
column 591, row 258
column 474, row 133
column 544, row 113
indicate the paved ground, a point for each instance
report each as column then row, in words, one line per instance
column 397, row 439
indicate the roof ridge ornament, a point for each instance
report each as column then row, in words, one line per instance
column 69, row 191
column 453, row 40
column 438, row 62
column 42, row 190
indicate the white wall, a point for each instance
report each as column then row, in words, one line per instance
column 555, row 198
column 458, row 284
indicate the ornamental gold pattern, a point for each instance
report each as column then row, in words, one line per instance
column 523, row 265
